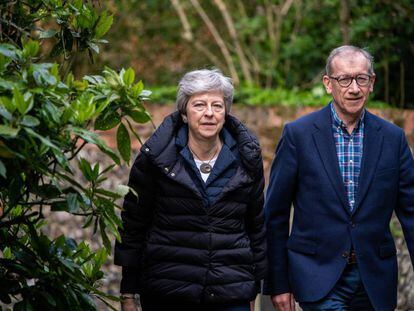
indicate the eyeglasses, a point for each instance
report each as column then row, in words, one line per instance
column 345, row 81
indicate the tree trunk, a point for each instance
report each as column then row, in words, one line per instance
column 344, row 18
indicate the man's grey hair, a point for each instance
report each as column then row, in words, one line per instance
column 204, row 80
column 349, row 49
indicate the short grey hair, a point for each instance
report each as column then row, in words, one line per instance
column 204, row 80
column 349, row 49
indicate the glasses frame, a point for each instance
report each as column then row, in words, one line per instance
column 352, row 78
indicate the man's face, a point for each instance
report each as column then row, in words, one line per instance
column 349, row 100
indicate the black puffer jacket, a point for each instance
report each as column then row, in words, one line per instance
column 177, row 246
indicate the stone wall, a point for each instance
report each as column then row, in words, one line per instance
column 267, row 124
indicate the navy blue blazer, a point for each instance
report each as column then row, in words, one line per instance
column 309, row 260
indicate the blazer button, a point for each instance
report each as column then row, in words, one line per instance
column 352, row 224
column 345, row 254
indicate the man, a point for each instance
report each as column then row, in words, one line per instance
column 345, row 171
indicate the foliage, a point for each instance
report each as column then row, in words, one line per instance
column 46, row 119
column 266, row 43
column 255, row 96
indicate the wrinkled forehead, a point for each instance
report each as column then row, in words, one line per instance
column 350, row 63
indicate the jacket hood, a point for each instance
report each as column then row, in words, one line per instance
column 162, row 150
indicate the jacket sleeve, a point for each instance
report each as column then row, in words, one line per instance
column 405, row 207
column 137, row 215
column 279, row 198
column 255, row 224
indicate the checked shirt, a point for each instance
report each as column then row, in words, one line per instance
column 349, row 151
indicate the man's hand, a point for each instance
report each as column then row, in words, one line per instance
column 283, row 302
column 129, row 305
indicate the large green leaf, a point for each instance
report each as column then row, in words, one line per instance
column 103, row 25
column 139, row 116
column 128, row 76
column 107, row 120
column 93, row 138
column 8, row 131
column 124, row 142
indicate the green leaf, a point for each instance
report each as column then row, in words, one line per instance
column 124, row 142
column 139, row 116
column 8, row 50
column 8, row 131
column 107, row 193
column 3, row 171
column 18, row 101
column 30, row 48
column 5, row 113
column 86, row 169
column 94, row 139
column 47, row 34
column 7, row 103
column 30, row 121
column 42, row 74
column 129, row 76
column 104, row 235
column 137, row 89
column 107, row 120
column 103, row 25
column 73, row 203
column 4, row 62
column 44, row 140
column 47, row 191
column 94, row 47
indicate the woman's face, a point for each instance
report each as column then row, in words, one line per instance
column 205, row 113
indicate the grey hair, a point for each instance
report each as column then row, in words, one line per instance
column 204, row 80
column 349, row 49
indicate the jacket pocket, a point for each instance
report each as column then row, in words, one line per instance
column 387, row 250
column 301, row 245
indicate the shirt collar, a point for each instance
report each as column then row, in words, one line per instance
column 337, row 122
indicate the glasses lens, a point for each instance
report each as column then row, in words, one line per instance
column 345, row 81
column 362, row 80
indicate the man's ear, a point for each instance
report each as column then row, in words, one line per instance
column 372, row 82
column 327, row 83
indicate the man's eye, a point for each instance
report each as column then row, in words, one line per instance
column 344, row 79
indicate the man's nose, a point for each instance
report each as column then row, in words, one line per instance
column 354, row 87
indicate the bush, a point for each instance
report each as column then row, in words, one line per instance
column 255, row 96
column 46, row 118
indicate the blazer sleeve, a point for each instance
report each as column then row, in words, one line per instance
column 137, row 216
column 405, row 206
column 255, row 225
column 279, row 198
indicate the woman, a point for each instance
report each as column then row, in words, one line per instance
column 193, row 239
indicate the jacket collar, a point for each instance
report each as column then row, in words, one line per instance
column 161, row 147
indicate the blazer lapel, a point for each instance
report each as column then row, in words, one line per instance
column 325, row 144
column 373, row 141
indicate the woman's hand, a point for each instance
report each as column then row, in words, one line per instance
column 128, row 303
column 252, row 305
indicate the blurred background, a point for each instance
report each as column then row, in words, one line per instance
column 275, row 51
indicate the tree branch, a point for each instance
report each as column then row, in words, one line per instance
column 219, row 40
column 233, row 34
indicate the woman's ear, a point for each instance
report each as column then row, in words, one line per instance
column 184, row 118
